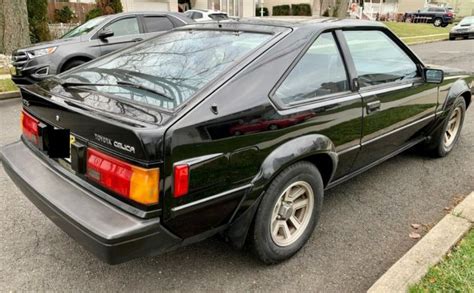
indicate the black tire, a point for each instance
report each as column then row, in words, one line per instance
column 444, row 24
column 452, row 38
column 264, row 246
column 437, row 22
column 437, row 147
column 72, row 64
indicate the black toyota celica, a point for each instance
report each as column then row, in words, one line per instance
column 232, row 127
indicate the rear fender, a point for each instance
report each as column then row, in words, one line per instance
column 283, row 156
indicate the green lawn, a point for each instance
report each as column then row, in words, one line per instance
column 7, row 85
column 416, row 32
column 454, row 274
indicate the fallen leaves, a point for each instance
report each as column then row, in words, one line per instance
column 415, row 226
column 414, row 235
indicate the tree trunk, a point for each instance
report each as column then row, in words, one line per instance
column 341, row 6
column 14, row 29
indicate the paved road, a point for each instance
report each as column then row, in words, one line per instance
column 363, row 230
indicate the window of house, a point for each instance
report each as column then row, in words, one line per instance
column 320, row 72
column 378, row 59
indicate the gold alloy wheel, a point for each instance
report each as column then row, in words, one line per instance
column 292, row 213
column 453, row 127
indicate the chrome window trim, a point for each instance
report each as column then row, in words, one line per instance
column 209, row 198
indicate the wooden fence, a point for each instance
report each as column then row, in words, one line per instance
column 80, row 10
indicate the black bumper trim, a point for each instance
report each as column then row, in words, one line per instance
column 110, row 233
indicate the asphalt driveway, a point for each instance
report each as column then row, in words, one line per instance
column 363, row 229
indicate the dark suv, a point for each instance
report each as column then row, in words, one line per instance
column 90, row 40
column 438, row 16
column 231, row 127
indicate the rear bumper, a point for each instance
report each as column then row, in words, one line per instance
column 111, row 234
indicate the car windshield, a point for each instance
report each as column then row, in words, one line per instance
column 467, row 21
column 84, row 28
column 218, row 16
column 167, row 70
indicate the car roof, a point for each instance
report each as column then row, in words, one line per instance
column 276, row 24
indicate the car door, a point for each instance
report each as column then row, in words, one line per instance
column 398, row 103
column 319, row 82
column 156, row 24
column 127, row 31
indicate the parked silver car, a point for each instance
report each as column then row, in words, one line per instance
column 90, row 40
column 464, row 29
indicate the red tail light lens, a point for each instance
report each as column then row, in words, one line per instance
column 29, row 126
column 135, row 183
column 181, row 180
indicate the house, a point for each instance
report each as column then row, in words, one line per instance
column 370, row 8
column 149, row 5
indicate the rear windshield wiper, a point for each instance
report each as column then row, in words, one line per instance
column 119, row 83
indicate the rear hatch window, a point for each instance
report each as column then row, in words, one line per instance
column 170, row 69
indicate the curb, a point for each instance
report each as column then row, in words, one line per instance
column 9, row 95
column 429, row 251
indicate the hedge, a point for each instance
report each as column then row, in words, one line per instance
column 281, row 10
column 302, row 9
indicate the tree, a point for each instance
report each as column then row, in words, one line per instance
column 13, row 25
column 38, row 19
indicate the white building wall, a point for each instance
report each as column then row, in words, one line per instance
column 150, row 5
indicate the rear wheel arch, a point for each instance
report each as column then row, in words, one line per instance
column 314, row 148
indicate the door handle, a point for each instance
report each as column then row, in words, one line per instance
column 137, row 40
column 373, row 106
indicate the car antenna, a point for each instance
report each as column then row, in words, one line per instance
column 219, row 23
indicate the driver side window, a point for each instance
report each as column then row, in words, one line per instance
column 124, row 27
column 378, row 59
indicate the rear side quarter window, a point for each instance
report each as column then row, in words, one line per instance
column 320, row 72
column 157, row 23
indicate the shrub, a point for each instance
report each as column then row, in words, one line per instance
column 93, row 13
column 265, row 11
column 326, row 12
column 104, row 7
column 302, row 9
column 116, row 5
column 281, row 10
column 64, row 15
column 38, row 20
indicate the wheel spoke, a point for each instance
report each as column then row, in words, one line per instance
column 286, row 230
column 296, row 194
column 276, row 228
column 446, row 138
column 295, row 222
column 300, row 204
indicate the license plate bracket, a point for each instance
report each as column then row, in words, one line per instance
column 56, row 142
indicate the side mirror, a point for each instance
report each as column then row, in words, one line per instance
column 105, row 33
column 434, row 75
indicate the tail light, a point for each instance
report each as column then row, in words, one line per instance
column 29, row 127
column 450, row 14
column 135, row 183
column 180, row 180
